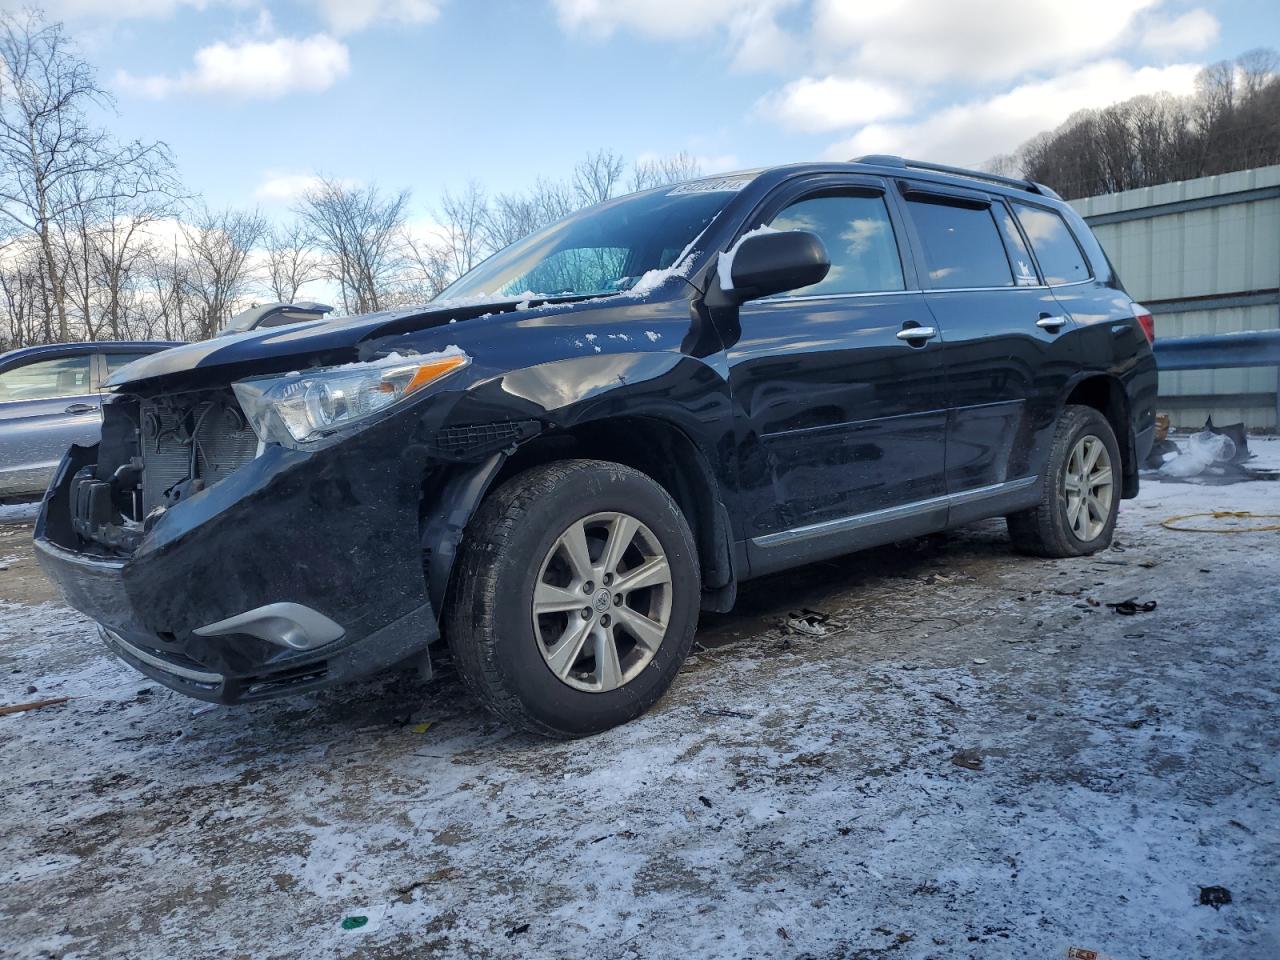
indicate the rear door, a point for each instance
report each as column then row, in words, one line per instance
column 1006, row 357
column 841, row 414
column 45, row 406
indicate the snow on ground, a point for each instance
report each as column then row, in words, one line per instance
column 20, row 512
column 794, row 796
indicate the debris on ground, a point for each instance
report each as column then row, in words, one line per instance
column 811, row 623
column 721, row 712
column 969, row 759
column 33, row 705
column 1216, row 897
column 1214, row 455
column 354, row 923
column 1232, row 520
column 1131, row 606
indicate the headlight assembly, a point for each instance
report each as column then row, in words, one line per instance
column 297, row 409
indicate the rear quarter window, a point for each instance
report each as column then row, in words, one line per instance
column 962, row 246
column 1061, row 260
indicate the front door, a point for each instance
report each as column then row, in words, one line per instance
column 45, row 406
column 840, row 407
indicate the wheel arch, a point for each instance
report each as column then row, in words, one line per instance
column 654, row 446
column 1106, row 394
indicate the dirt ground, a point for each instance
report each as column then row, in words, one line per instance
column 960, row 753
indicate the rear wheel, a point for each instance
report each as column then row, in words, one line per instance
column 576, row 597
column 1079, row 492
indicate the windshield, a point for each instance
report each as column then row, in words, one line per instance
column 604, row 249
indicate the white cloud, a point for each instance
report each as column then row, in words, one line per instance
column 751, row 25
column 655, row 18
column 341, row 16
column 934, row 40
column 1194, row 30
column 105, row 9
column 252, row 70
column 349, row 16
column 969, row 133
column 711, row 164
column 284, row 187
column 832, row 103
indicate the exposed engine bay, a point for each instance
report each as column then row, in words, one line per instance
column 156, row 452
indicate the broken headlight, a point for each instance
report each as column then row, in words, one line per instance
column 296, row 409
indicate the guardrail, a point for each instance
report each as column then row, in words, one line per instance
column 1221, row 351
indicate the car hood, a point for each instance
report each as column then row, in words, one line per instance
column 304, row 339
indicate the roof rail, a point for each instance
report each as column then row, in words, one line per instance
column 887, row 160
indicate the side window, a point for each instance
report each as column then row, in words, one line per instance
column 962, row 247
column 1024, row 271
column 858, row 235
column 1056, row 249
column 117, row 360
column 45, row 379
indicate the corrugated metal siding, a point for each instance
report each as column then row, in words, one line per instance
column 1229, row 249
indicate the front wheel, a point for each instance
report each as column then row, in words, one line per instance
column 1079, row 492
column 576, row 597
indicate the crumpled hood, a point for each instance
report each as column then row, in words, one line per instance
column 307, row 338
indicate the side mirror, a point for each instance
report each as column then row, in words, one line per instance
column 762, row 264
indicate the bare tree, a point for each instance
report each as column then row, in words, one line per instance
column 53, row 160
column 513, row 216
column 218, row 244
column 25, row 321
column 166, row 275
column 357, row 231
column 662, row 171
column 597, row 176
column 464, row 219
column 428, row 269
column 292, row 262
column 1231, row 122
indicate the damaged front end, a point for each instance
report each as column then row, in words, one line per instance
column 154, row 454
column 234, row 569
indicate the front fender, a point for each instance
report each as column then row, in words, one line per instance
column 602, row 401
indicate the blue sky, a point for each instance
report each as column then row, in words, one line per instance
column 254, row 97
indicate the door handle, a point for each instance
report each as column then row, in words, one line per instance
column 1049, row 322
column 81, row 408
column 917, row 333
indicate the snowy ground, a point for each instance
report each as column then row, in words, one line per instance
column 794, row 796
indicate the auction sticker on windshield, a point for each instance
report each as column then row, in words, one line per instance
column 714, row 185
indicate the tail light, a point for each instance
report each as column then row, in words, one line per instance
column 1145, row 320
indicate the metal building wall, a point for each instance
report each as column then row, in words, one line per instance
column 1204, row 255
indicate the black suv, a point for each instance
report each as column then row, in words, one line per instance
column 604, row 428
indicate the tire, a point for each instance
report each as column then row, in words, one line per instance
column 1055, row 528
column 522, row 665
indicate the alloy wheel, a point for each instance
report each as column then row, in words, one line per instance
column 1089, row 487
column 602, row 602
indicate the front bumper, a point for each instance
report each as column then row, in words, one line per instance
column 335, row 531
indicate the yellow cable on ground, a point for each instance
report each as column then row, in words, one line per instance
column 1220, row 514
